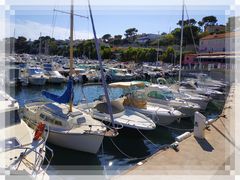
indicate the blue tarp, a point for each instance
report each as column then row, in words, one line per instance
column 65, row 97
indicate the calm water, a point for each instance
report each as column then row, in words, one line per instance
column 109, row 160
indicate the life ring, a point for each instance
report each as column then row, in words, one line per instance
column 39, row 131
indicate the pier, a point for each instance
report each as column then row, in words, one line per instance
column 214, row 155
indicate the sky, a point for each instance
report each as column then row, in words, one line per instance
column 31, row 20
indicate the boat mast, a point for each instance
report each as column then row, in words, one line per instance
column 71, row 51
column 40, row 43
column 181, row 44
column 13, row 46
column 158, row 48
column 101, row 68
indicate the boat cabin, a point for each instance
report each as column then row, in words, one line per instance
column 59, row 115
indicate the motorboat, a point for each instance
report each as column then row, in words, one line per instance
column 201, row 100
column 23, row 150
column 92, row 75
column 154, row 95
column 55, row 77
column 135, row 99
column 36, row 76
column 117, row 74
column 187, row 87
column 124, row 117
column 204, row 81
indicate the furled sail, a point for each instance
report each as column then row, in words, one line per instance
column 65, row 97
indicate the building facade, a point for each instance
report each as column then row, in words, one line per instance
column 226, row 42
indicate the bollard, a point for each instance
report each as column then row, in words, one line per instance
column 199, row 125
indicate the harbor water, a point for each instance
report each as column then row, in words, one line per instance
column 118, row 153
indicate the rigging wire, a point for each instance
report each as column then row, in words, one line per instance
column 54, row 18
column 195, row 47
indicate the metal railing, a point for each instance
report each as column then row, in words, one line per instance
column 39, row 160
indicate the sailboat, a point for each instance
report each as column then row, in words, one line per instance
column 69, row 127
column 113, row 111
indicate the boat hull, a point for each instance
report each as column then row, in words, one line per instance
column 55, row 80
column 37, row 81
column 201, row 103
column 159, row 117
column 129, row 119
column 80, row 142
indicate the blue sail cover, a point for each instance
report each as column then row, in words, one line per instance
column 65, row 97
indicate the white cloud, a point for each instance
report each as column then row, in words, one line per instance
column 31, row 29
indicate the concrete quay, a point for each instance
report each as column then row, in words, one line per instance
column 215, row 155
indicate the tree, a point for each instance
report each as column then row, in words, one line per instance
column 117, row 39
column 188, row 32
column 106, row 38
column 208, row 21
column 131, row 34
column 22, row 45
column 106, row 52
column 168, row 55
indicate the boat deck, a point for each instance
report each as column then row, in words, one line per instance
column 25, row 157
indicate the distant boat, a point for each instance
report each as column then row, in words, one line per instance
column 55, row 77
column 118, row 74
column 36, row 76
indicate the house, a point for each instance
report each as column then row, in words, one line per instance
column 224, row 42
column 214, row 28
column 217, row 50
column 143, row 38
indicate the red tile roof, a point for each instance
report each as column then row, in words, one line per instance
column 221, row 36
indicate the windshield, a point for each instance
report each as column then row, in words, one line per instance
column 35, row 71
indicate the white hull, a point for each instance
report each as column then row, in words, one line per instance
column 129, row 119
column 37, row 80
column 187, row 111
column 81, row 142
column 55, row 80
column 158, row 116
column 202, row 103
column 121, row 78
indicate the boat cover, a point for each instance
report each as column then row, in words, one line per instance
column 65, row 97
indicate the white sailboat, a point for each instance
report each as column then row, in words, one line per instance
column 113, row 111
column 69, row 127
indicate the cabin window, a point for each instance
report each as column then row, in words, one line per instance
column 59, row 123
column 42, row 116
column 188, row 86
column 81, row 120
